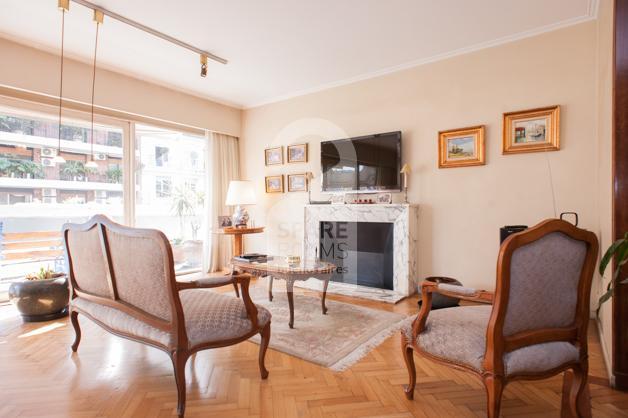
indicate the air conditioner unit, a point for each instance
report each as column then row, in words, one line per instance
column 101, row 194
column 100, row 157
column 47, row 192
column 49, row 152
column 47, row 162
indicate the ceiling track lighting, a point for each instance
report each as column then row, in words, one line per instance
column 99, row 17
column 203, row 66
column 205, row 55
column 64, row 6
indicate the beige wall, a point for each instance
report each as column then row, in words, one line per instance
column 36, row 70
column 605, row 104
column 461, row 208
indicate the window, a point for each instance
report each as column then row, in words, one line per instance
column 161, row 156
column 190, row 185
column 163, row 186
column 194, row 159
column 37, row 195
column 178, row 205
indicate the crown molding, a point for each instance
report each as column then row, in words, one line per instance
column 592, row 12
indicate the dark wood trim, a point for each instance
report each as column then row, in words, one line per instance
column 620, row 186
column 493, row 373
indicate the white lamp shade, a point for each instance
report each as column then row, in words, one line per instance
column 240, row 193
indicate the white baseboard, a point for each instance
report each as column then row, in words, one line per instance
column 605, row 354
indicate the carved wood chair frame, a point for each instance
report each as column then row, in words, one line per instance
column 575, row 402
column 180, row 349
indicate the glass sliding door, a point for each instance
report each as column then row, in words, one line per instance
column 170, row 180
column 37, row 195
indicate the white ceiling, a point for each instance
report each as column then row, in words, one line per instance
column 283, row 48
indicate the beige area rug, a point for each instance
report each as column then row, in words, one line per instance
column 337, row 340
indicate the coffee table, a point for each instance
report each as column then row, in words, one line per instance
column 278, row 268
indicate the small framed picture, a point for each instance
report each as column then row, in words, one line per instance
column 224, row 221
column 297, row 153
column 273, row 156
column 532, row 130
column 297, row 183
column 461, row 147
column 384, row 198
column 274, row 184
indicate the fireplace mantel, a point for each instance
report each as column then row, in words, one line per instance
column 404, row 217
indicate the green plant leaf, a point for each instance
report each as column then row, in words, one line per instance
column 606, row 296
column 608, row 255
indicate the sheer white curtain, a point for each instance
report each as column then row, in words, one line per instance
column 224, row 157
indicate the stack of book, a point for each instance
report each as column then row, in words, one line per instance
column 253, row 258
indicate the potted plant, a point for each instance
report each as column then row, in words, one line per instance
column 41, row 296
column 619, row 251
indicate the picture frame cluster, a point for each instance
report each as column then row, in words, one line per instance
column 297, row 182
column 532, row 130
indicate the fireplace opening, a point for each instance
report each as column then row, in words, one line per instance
column 362, row 251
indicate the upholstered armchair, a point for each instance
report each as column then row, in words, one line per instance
column 536, row 326
column 123, row 279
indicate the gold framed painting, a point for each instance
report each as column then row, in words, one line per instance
column 273, row 156
column 297, row 182
column 461, row 147
column 532, row 130
column 297, row 153
column 274, row 184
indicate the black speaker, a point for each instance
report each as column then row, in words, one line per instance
column 507, row 230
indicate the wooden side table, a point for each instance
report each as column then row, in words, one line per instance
column 238, row 247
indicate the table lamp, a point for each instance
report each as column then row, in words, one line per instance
column 240, row 193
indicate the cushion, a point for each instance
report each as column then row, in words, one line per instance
column 459, row 335
column 121, row 321
column 209, row 317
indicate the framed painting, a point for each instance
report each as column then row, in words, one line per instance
column 297, row 183
column 297, row 153
column 224, row 221
column 274, row 184
column 273, row 156
column 461, row 147
column 532, row 130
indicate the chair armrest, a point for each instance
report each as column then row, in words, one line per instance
column 464, row 293
column 460, row 292
column 205, row 282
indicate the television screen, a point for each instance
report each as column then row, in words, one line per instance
column 366, row 163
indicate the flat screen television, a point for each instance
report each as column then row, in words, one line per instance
column 365, row 163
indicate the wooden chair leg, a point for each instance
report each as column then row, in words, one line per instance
column 408, row 356
column 576, row 401
column 77, row 330
column 179, row 358
column 237, row 292
column 263, row 346
column 494, row 389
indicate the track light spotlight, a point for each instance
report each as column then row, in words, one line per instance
column 203, row 66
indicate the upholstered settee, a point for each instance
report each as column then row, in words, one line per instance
column 123, row 279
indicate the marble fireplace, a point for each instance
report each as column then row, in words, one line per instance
column 374, row 246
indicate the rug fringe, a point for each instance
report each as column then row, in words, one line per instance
column 360, row 352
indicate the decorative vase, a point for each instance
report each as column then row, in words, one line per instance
column 41, row 300
column 240, row 217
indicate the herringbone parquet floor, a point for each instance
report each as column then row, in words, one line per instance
column 112, row 377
